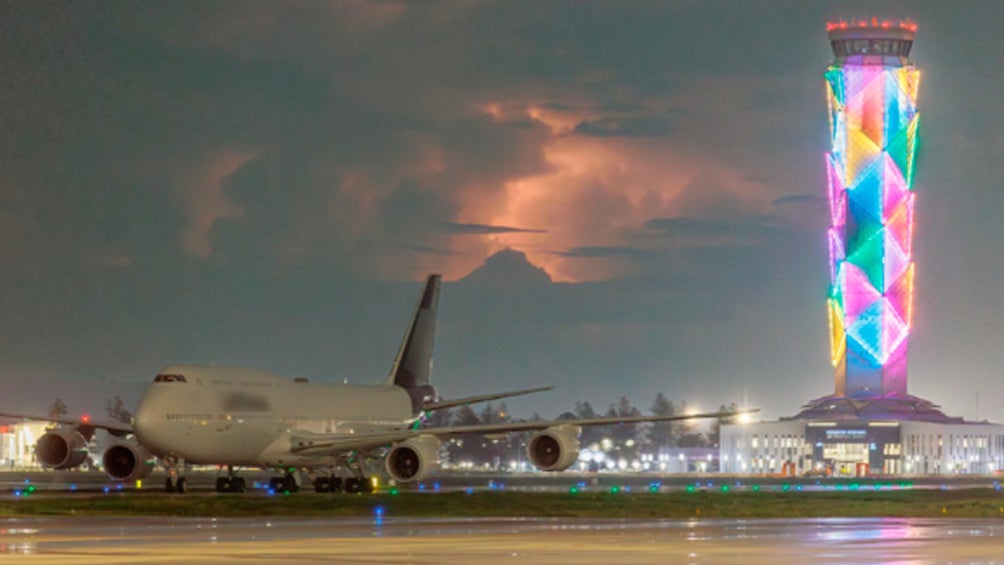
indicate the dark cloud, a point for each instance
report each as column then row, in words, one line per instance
column 482, row 229
column 603, row 252
column 628, row 127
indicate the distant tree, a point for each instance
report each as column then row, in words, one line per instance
column 115, row 407
column 714, row 436
column 684, row 427
column 57, row 409
column 590, row 434
column 623, row 409
column 438, row 418
column 584, row 410
column 465, row 416
column 566, row 416
column 494, row 414
column 468, row 447
column 693, row 439
column 660, row 434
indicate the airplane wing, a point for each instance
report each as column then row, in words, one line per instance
column 83, row 422
column 443, row 404
column 323, row 444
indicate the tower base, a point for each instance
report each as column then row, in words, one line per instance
column 889, row 406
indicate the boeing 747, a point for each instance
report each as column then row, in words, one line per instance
column 240, row 417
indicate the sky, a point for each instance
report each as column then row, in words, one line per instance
column 624, row 198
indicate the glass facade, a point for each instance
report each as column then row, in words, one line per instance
column 873, row 146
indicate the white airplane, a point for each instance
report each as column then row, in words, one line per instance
column 240, row 417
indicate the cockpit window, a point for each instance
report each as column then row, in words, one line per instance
column 170, row 379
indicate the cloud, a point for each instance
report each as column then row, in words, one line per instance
column 655, row 126
column 206, row 201
column 482, row 229
column 419, row 136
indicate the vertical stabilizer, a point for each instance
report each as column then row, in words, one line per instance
column 412, row 369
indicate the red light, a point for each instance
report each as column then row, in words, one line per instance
column 85, row 418
column 886, row 24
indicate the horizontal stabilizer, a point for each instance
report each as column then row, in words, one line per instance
column 444, row 404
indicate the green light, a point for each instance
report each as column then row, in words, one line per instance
column 574, row 490
column 393, row 492
column 653, row 488
column 786, row 487
column 725, row 488
column 690, row 488
column 615, row 489
column 756, row 488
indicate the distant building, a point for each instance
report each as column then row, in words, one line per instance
column 17, row 444
column 870, row 424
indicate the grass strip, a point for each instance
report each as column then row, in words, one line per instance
column 961, row 503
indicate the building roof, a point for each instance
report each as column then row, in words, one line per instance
column 890, row 406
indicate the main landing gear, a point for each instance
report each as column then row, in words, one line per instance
column 176, row 484
column 231, row 482
column 175, row 481
column 287, row 483
column 337, row 484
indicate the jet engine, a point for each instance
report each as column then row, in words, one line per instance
column 127, row 460
column 555, row 448
column 414, row 459
column 61, row 448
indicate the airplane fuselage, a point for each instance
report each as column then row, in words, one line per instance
column 246, row 417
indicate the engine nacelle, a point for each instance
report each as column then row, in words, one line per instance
column 555, row 448
column 414, row 459
column 61, row 448
column 127, row 460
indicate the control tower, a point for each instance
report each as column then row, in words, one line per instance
column 872, row 90
column 870, row 424
column 871, row 87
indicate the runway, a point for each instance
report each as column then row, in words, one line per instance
column 385, row 539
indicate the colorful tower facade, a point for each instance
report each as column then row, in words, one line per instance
column 872, row 90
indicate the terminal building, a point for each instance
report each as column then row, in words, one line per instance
column 870, row 424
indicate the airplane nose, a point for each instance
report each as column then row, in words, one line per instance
column 143, row 419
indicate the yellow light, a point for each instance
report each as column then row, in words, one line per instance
column 139, row 484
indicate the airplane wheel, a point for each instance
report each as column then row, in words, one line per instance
column 238, row 484
column 365, row 485
column 352, row 485
column 322, row 484
column 285, row 484
column 336, row 484
column 168, row 485
column 223, row 484
column 181, row 487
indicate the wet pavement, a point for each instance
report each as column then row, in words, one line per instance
column 385, row 539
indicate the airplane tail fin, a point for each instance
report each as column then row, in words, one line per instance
column 412, row 369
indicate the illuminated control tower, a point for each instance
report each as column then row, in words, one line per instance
column 872, row 91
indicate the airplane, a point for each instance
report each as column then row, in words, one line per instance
column 251, row 418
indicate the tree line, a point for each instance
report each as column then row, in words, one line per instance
column 621, row 440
